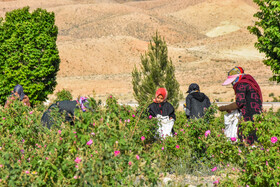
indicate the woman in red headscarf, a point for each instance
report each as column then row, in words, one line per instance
column 161, row 106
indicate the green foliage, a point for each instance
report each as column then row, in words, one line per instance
column 28, row 53
column 156, row 71
column 63, row 95
column 267, row 30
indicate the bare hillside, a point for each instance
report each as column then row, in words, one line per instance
column 100, row 42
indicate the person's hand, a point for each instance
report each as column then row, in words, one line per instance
column 170, row 118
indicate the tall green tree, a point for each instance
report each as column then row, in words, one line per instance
column 28, row 53
column 156, row 71
column 267, row 30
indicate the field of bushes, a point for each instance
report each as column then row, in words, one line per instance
column 117, row 145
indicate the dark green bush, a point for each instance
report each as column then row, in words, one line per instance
column 28, row 53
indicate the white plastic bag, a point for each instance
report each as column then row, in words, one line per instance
column 165, row 126
column 231, row 123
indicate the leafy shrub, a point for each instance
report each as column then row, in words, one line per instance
column 63, row 95
column 28, row 53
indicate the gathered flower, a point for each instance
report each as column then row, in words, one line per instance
column 117, row 153
column 207, row 133
column 143, row 138
column 137, row 157
column 89, row 142
column 78, row 160
column 274, row 139
column 214, row 169
column 233, row 139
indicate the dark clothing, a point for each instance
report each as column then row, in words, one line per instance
column 196, row 103
column 250, row 103
column 248, row 100
column 63, row 106
column 164, row 109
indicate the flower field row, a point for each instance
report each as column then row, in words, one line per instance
column 117, row 145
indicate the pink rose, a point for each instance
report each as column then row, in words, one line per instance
column 233, row 139
column 75, row 177
column 207, row 133
column 214, row 169
column 177, row 146
column 89, row 142
column 162, row 148
column 274, row 139
column 137, row 157
column 129, row 163
column 27, row 172
column 142, row 138
column 216, row 182
column 133, row 115
column 117, row 153
column 47, row 158
column 150, row 116
column 78, row 160
column 59, row 131
column 31, row 112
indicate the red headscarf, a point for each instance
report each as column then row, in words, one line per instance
column 163, row 92
column 250, row 80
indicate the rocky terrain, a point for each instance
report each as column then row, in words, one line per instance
column 100, row 42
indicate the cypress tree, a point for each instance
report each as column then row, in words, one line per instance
column 156, row 71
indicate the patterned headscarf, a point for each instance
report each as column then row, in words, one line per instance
column 236, row 71
column 82, row 101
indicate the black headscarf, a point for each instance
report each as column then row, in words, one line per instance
column 19, row 89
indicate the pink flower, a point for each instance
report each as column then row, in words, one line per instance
column 198, row 137
column 133, row 115
column 59, row 131
column 23, row 140
column 277, row 183
column 128, row 120
column 216, row 182
column 177, row 146
column 3, row 118
column 117, row 153
column 175, row 133
column 78, row 160
column 27, row 172
column 92, row 133
column 214, row 169
column 222, row 152
column 266, row 163
column 233, row 139
column 129, row 163
column 218, row 135
column 162, row 148
column 75, row 177
column 143, row 138
column 137, row 157
column 89, row 142
column 233, row 169
column 47, row 158
column 150, row 116
column 74, row 132
column 207, row 133
column 274, row 139
column 239, row 151
column 93, row 124
column 31, row 112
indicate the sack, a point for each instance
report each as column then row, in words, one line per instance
column 231, row 123
column 164, row 126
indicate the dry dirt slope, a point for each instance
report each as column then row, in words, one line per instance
column 101, row 41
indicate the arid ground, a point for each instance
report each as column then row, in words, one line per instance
column 100, row 42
